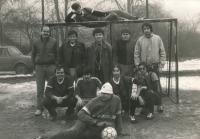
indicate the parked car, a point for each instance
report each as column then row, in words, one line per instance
column 11, row 59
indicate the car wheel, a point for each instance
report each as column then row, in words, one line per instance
column 21, row 69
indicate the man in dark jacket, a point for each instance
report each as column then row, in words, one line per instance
column 88, row 14
column 45, row 55
column 59, row 93
column 123, row 53
column 100, row 112
column 73, row 55
column 100, row 56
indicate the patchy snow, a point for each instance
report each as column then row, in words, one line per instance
column 193, row 64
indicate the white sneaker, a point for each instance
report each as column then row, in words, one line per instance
column 150, row 116
column 38, row 112
column 133, row 120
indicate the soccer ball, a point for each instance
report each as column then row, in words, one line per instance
column 109, row 133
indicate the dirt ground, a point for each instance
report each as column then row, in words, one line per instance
column 17, row 120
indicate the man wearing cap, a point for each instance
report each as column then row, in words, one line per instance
column 100, row 112
column 123, row 53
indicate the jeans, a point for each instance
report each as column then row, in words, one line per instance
column 43, row 73
column 79, row 131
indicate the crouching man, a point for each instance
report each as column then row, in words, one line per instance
column 100, row 112
column 59, row 93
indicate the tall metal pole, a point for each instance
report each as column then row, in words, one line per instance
column 42, row 12
column 147, row 9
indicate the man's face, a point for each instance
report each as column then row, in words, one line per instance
column 116, row 72
column 72, row 38
column 142, row 70
column 106, row 96
column 60, row 74
column 98, row 37
column 45, row 32
column 147, row 31
column 78, row 11
column 125, row 36
column 87, row 77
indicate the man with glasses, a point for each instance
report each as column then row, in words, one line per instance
column 149, row 48
column 73, row 55
column 149, row 94
column 59, row 93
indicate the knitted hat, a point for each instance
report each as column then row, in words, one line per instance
column 125, row 30
column 107, row 88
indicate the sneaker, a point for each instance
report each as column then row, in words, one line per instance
column 53, row 115
column 160, row 109
column 38, row 112
column 150, row 116
column 133, row 120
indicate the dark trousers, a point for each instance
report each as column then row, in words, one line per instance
column 51, row 104
column 79, row 131
column 155, row 70
column 99, row 75
column 148, row 96
column 43, row 73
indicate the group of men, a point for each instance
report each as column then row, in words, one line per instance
column 126, row 74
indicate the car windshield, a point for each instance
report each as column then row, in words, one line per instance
column 14, row 51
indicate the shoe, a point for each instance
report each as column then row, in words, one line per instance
column 38, row 112
column 160, row 109
column 150, row 116
column 53, row 115
column 133, row 120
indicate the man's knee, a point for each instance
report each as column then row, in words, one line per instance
column 46, row 101
column 72, row 101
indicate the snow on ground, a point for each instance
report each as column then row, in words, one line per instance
column 193, row 64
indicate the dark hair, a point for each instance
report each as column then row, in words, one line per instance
column 44, row 27
column 142, row 64
column 125, row 30
column 72, row 32
column 87, row 70
column 97, row 30
column 59, row 67
column 147, row 24
column 75, row 6
column 116, row 66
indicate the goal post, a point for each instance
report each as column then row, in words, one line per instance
column 165, row 28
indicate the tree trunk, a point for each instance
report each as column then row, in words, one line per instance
column 66, row 9
column 58, row 19
column 129, row 6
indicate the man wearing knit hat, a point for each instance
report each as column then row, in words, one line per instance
column 98, row 113
column 123, row 52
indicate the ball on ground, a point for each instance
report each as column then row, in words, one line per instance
column 109, row 133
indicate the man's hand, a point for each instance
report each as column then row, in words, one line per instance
column 80, row 103
column 142, row 102
column 58, row 99
column 121, row 134
column 159, row 69
column 103, row 124
column 134, row 96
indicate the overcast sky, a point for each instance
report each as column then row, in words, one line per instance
column 183, row 8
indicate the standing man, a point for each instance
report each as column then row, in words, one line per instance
column 86, row 88
column 123, row 53
column 149, row 48
column 100, row 56
column 73, row 55
column 59, row 93
column 45, row 55
column 102, row 111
